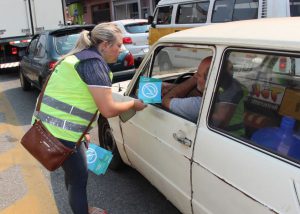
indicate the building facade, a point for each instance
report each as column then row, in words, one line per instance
column 97, row 11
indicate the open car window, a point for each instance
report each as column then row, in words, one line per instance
column 172, row 61
column 173, row 65
column 163, row 15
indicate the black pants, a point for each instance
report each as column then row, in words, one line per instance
column 76, row 176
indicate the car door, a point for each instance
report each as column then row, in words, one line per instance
column 39, row 65
column 27, row 58
column 257, row 170
column 159, row 143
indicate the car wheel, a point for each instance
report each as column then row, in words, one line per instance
column 25, row 84
column 107, row 141
column 165, row 62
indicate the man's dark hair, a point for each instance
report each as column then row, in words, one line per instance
column 226, row 76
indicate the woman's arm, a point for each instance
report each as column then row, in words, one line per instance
column 110, row 108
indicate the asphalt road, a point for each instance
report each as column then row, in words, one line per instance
column 124, row 191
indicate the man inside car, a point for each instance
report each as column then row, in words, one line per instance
column 185, row 98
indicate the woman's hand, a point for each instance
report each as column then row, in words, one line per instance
column 139, row 105
column 87, row 140
column 110, row 108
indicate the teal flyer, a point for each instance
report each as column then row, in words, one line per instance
column 150, row 90
column 98, row 159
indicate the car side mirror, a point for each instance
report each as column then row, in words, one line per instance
column 151, row 21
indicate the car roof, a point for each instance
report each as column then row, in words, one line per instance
column 167, row 2
column 273, row 33
column 130, row 21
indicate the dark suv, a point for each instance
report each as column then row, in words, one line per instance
column 46, row 48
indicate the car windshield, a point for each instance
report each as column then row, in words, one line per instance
column 65, row 43
column 141, row 27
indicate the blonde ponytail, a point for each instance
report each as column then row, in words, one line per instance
column 102, row 32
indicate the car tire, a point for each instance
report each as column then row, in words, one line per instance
column 164, row 62
column 107, row 141
column 25, row 84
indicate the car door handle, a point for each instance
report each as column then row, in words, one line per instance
column 181, row 138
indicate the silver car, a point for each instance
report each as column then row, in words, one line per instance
column 135, row 37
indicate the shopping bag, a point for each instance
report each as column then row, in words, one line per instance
column 98, row 159
column 150, row 90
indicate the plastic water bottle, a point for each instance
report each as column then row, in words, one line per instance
column 287, row 130
column 294, row 151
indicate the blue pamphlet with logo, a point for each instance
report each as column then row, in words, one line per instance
column 150, row 90
column 98, row 159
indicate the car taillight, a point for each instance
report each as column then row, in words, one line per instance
column 51, row 65
column 129, row 60
column 14, row 51
column 25, row 40
column 282, row 63
column 127, row 40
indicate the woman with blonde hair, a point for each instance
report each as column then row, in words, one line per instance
column 79, row 86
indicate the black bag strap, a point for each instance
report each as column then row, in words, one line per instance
column 38, row 106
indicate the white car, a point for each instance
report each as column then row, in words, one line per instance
column 249, row 165
column 135, row 36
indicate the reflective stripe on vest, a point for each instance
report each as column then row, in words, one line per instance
column 63, row 124
column 54, row 103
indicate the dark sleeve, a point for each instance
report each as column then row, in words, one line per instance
column 94, row 72
column 231, row 95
